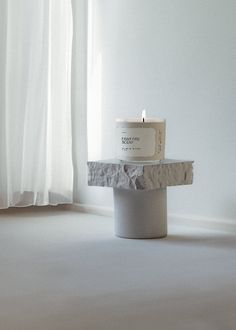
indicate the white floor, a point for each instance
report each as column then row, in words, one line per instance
column 65, row 270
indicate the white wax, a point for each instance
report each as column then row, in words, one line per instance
column 140, row 120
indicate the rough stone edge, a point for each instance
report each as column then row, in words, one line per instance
column 118, row 178
column 173, row 174
column 141, row 180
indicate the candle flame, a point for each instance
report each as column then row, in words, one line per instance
column 144, row 115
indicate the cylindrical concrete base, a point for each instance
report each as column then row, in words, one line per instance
column 140, row 214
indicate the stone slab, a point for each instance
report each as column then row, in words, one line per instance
column 139, row 175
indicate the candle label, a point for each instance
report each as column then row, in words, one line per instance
column 135, row 142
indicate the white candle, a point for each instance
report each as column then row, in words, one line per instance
column 140, row 139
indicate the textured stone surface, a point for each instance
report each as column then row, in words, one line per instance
column 140, row 176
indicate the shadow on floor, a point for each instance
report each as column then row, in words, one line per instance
column 218, row 240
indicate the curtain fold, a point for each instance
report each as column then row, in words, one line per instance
column 35, row 111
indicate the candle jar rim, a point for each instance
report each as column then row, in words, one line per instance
column 140, row 120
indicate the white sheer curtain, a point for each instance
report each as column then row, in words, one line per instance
column 35, row 114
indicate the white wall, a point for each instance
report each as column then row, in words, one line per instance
column 177, row 59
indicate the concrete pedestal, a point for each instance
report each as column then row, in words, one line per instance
column 140, row 214
column 139, row 190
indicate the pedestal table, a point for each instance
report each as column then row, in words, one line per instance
column 139, row 189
